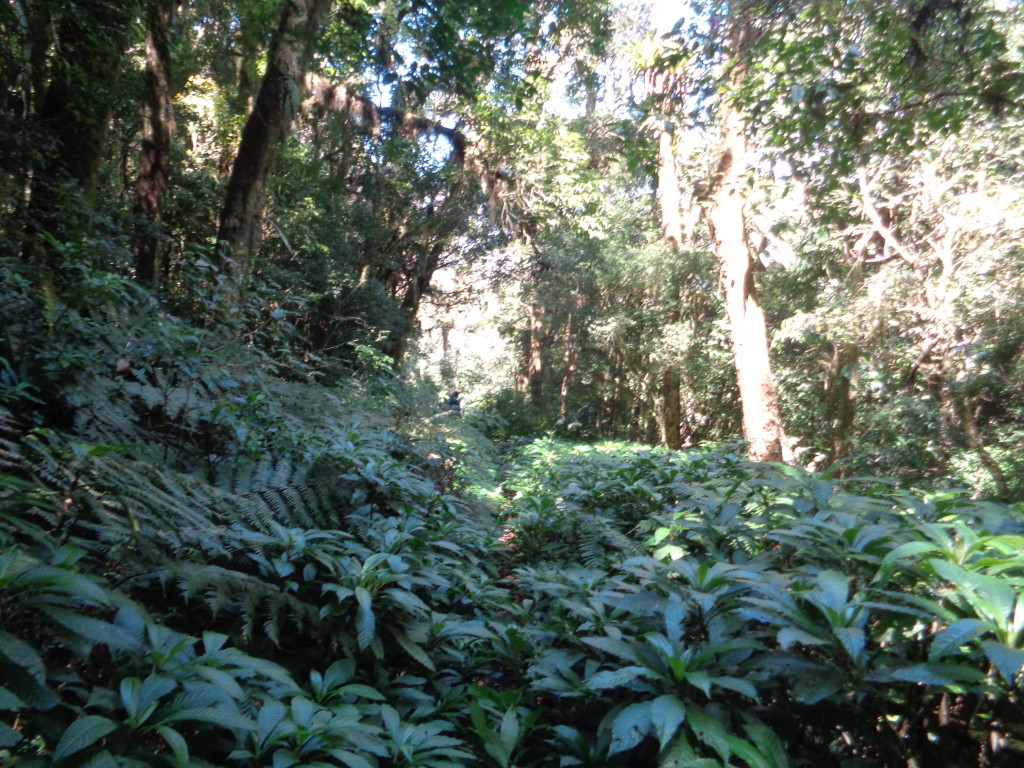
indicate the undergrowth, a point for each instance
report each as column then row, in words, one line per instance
column 217, row 556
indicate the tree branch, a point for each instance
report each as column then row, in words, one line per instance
column 876, row 220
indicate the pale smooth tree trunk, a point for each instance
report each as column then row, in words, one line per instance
column 725, row 212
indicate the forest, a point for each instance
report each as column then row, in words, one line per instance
column 511, row 383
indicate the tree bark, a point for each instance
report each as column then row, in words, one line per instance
column 669, row 198
column 157, row 134
column 670, row 414
column 841, row 399
column 662, row 85
column 569, row 354
column 726, row 216
column 672, row 228
column 535, row 367
column 91, row 40
column 961, row 419
column 268, row 125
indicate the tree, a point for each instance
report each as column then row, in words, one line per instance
column 90, row 42
column 276, row 105
column 157, row 136
column 664, row 84
column 724, row 210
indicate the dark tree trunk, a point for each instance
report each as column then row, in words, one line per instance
column 268, row 125
column 523, row 365
column 569, row 354
column 962, row 424
column 91, row 39
column 535, row 367
column 418, row 284
column 671, row 415
column 726, row 216
column 157, row 134
column 841, row 399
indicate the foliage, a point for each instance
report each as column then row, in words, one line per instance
column 235, row 532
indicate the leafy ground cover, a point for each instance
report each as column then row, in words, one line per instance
column 216, row 555
column 629, row 607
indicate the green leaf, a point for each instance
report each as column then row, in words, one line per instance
column 478, row 718
column 284, row 758
column 393, row 722
column 131, row 697
column 82, row 734
column 710, row 731
column 938, row 674
column 222, row 680
column 611, row 646
column 8, row 700
column 700, row 681
column 667, row 714
column 1009, row 661
column 810, row 687
column 510, row 727
column 737, row 684
column 351, row 759
column 176, row 742
column 8, row 736
column 366, row 623
column 834, row 589
column 952, row 637
column 791, row 635
column 613, row 678
column 303, row 711
column 630, row 726
column 214, row 641
column 35, row 693
column 363, row 691
column 413, row 649
column 94, row 630
column 23, row 655
column 211, row 715
column 909, row 550
column 768, row 744
column 270, row 717
column 853, row 641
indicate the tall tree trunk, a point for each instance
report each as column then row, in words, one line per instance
column 841, row 399
column 669, row 199
column 568, row 369
column 277, row 102
column 672, row 226
column 157, row 134
column 535, row 337
column 535, row 368
column 91, row 40
column 523, row 365
column 977, row 443
column 670, row 416
column 418, row 284
column 960, row 418
column 662, row 84
column 726, row 216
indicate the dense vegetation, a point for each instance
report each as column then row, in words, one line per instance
column 244, row 247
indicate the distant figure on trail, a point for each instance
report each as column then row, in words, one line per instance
column 455, row 402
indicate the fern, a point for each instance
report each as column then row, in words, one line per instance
column 597, row 537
